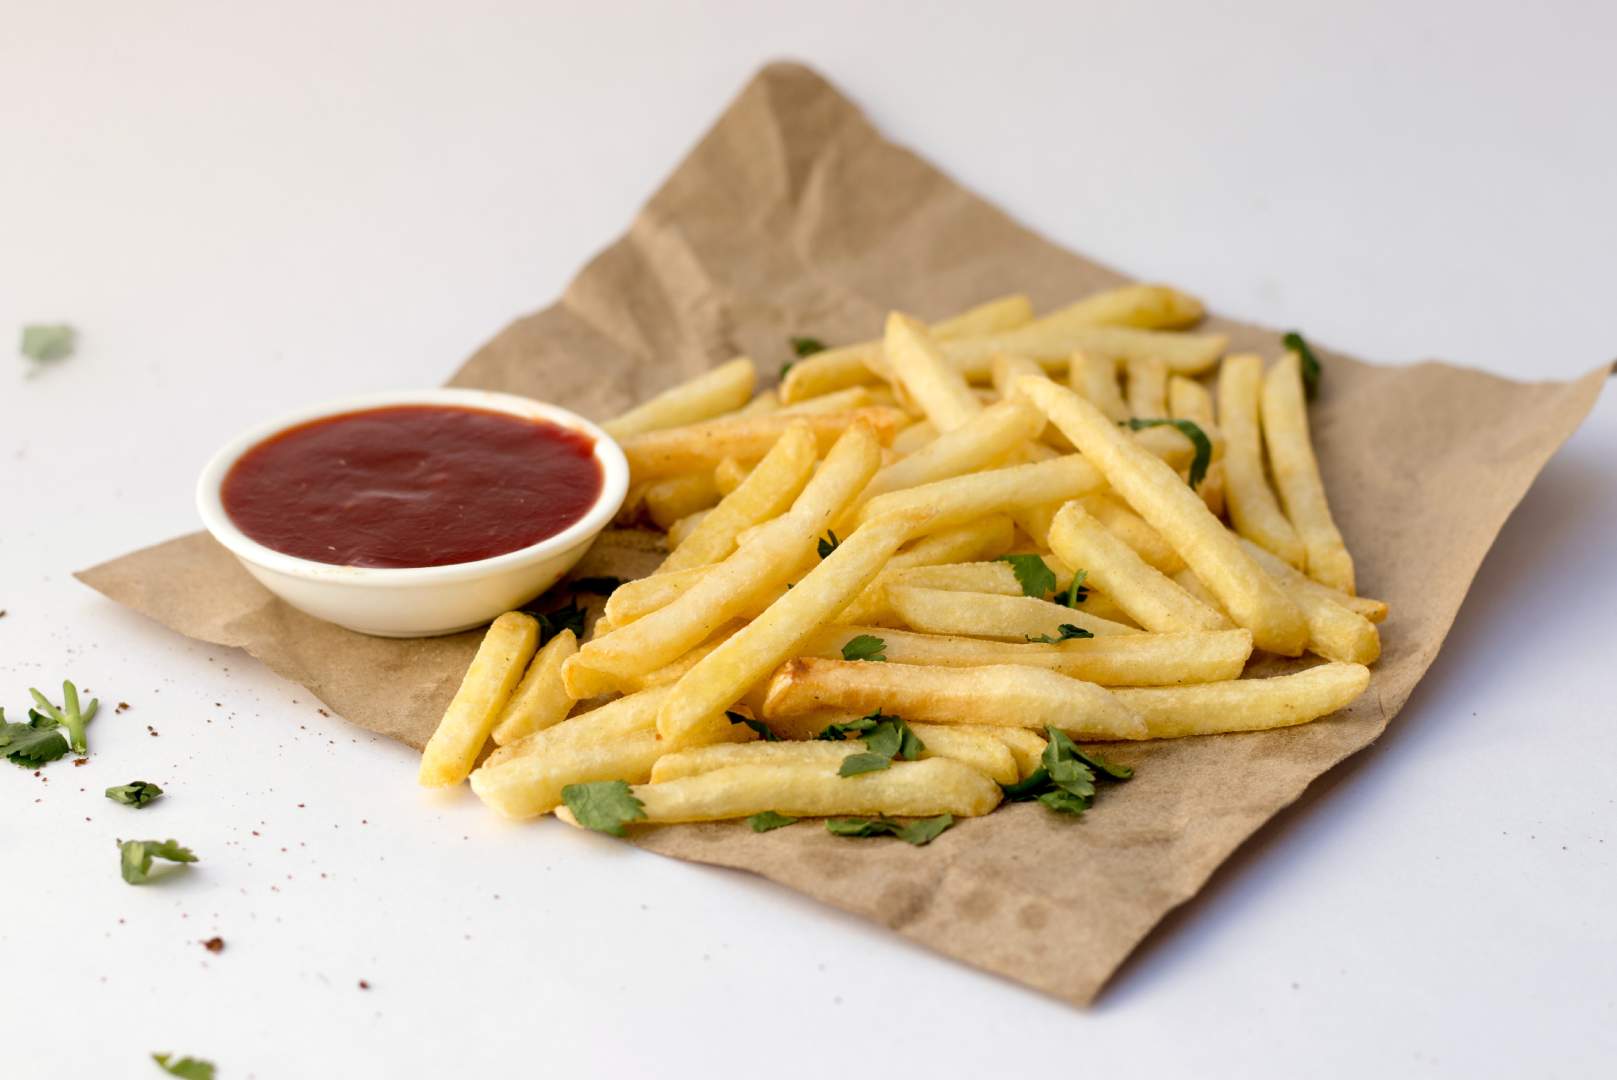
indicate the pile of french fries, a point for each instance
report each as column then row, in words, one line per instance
column 996, row 527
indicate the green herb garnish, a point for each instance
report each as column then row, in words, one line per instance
column 769, row 820
column 1032, row 573
column 1066, row 632
column 32, row 744
column 1076, row 592
column 567, row 617
column 44, row 342
column 920, row 832
column 1307, row 361
column 136, row 793
column 828, row 543
column 136, row 857
column 1065, row 778
column 806, row 346
column 605, row 806
column 759, row 726
column 1197, row 437
column 840, row 731
column 69, row 715
column 886, row 738
column 187, row 1068
column 864, row 647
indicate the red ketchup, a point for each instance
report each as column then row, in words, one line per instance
column 412, row 485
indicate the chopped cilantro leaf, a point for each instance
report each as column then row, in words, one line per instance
column 806, row 346
column 1067, row 632
column 187, row 1068
column 69, row 715
column 759, row 726
column 854, row 764
column 136, row 857
column 864, row 647
column 887, row 737
column 828, row 543
column 839, row 731
column 1036, row 578
column 1307, row 360
column 136, row 793
column 768, row 820
column 919, row 833
column 44, row 342
column 1065, row 778
column 605, row 806
column 33, row 744
column 1198, row 438
column 1076, row 592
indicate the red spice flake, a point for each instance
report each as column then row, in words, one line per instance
column 81, row 761
column 214, row 944
column 151, row 731
column 363, row 985
column 322, row 712
column 123, row 706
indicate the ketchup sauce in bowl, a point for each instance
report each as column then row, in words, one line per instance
column 416, row 513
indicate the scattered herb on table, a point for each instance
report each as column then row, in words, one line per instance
column 69, row 715
column 137, row 855
column 136, row 793
column 44, row 342
column 31, row 744
column 187, row 1068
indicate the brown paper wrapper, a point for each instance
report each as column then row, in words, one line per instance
column 794, row 216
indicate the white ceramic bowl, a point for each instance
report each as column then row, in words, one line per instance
column 416, row 602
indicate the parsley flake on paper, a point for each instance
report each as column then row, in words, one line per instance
column 605, row 806
column 769, row 820
column 920, row 832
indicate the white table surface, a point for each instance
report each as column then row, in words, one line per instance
column 245, row 207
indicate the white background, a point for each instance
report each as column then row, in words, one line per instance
column 247, row 207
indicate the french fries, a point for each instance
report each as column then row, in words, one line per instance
column 1149, row 596
column 1296, row 472
column 713, row 393
column 852, row 591
column 1157, row 494
column 1032, row 697
column 540, row 700
column 1254, row 511
column 1107, row 660
column 1173, row 712
column 493, row 675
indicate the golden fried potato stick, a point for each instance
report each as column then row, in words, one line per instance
column 1052, row 346
column 1172, row 712
column 676, row 497
column 541, row 699
column 969, row 746
column 751, row 572
column 1168, row 504
column 848, row 365
column 618, row 741
column 1149, row 307
column 1334, row 631
column 766, row 492
column 1025, row 745
column 721, row 677
column 766, row 402
column 679, row 530
column 1110, row 660
column 702, row 446
column 984, row 439
column 1016, row 618
column 1190, row 400
column 713, row 393
column 1296, row 472
column 960, row 499
column 854, row 397
column 494, row 673
column 1254, row 511
column 1032, row 697
column 926, row 378
column 913, row 438
column 1133, row 530
column 1148, row 596
column 729, row 473
column 906, row 789
column 1147, row 386
column 1094, row 378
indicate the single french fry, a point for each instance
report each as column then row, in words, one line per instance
column 669, row 674
column 1094, row 378
column 766, row 492
column 677, row 497
column 959, row 499
column 1172, row 712
column 721, row 677
column 494, row 673
column 657, row 454
column 1024, row 696
column 913, row 438
column 635, row 599
column 1374, row 610
column 983, row 752
column 1254, row 510
column 1133, row 530
column 713, row 393
column 541, row 699
column 1192, row 584
column 679, row 530
column 928, row 380
column 1155, row 492
column 906, row 789
column 1147, row 386
column 1015, row 618
column 854, row 365
column 764, row 403
column 1109, row 660
column 1334, row 631
column 1149, row 596
column 982, row 440
column 729, row 473
column 752, row 571
column 1149, row 307
column 1052, row 345
column 1006, row 368
column 853, row 397
column 618, row 741
column 1296, row 473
